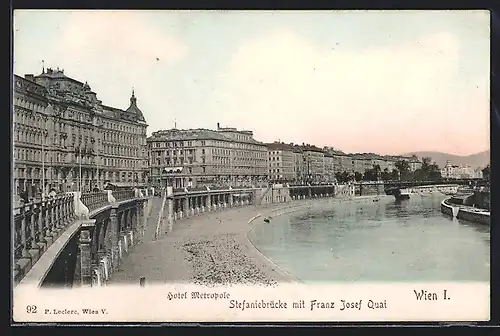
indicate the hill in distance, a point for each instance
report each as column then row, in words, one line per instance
column 478, row 160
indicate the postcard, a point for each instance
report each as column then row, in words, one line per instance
column 246, row 166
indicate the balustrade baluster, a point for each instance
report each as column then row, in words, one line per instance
column 18, row 233
column 56, row 214
column 41, row 226
column 17, row 238
column 64, row 211
column 52, row 219
column 33, row 225
column 72, row 208
column 60, row 211
column 48, row 222
column 24, row 237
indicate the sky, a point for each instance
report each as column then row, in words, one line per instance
column 387, row 82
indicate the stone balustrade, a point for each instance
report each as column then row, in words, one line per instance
column 36, row 226
column 105, row 240
column 95, row 200
column 123, row 194
column 185, row 204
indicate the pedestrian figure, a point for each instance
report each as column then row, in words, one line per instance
column 142, row 282
column 220, row 221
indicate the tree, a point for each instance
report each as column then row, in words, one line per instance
column 394, row 174
column 426, row 162
column 343, row 177
column 377, row 171
column 404, row 169
column 358, row 176
column 434, row 173
column 368, row 175
column 372, row 174
column 385, row 175
column 486, row 173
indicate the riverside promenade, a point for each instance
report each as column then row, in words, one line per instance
column 213, row 249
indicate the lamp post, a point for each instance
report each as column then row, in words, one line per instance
column 43, row 165
column 92, row 140
column 78, row 153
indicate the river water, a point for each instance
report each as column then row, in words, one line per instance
column 376, row 241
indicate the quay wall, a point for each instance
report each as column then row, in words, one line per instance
column 465, row 212
column 482, row 217
column 449, row 209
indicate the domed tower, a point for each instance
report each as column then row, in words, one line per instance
column 91, row 95
column 133, row 109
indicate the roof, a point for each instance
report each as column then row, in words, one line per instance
column 24, row 85
column 312, row 148
column 133, row 109
column 279, row 146
column 194, row 134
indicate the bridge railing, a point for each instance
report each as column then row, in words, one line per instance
column 121, row 195
column 95, row 200
column 36, row 226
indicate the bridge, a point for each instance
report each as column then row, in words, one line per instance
column 63, row 240
column 409, row 184
column 81, row 239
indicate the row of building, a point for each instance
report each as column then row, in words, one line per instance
column 227, row 155
column 66, row 139
column 452, row 171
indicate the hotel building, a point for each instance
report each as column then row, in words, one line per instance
column 203, row 157
column 65, row 139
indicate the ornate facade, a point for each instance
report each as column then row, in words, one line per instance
column 202, row 157
column 65, row 138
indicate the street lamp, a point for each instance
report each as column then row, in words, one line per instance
column 43, row 165
column 92, row 140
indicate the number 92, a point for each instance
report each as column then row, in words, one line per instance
column 31, row 309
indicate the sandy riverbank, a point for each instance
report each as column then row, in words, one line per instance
column 211, row 249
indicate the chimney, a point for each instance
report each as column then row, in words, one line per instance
column 218, row 125
column 30, row 77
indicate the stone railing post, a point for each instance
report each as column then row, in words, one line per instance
column 42, row 242
column 125, row 229
column 186, row 206
column 170, row 208
column 85, row 246
column 35, row 208
column 111, row 198
column 113, row 230
column 208, row 202
column 24, row 235
column 138, row 222
column 81, row 210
